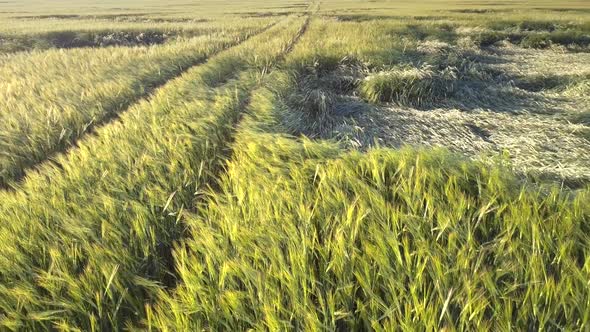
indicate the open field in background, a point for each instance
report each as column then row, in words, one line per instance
column 294, row 165
column 28, row 34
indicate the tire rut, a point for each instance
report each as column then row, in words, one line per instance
column 12, row 183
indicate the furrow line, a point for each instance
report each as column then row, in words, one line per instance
column 88, row 244
column 16, row 175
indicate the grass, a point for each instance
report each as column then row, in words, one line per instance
column 77, row 267
column 56, row 97
column 536, row 39
column 301, row 235
column 412, row 86
column 26, row 34
column 294, row 165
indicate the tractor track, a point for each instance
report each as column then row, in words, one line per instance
column 93, row 126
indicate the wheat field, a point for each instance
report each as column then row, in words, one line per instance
column 294, row 165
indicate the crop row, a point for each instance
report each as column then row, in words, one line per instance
column 18, row 35
column 301, row 235
column 86, row 244
column 50, row 99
